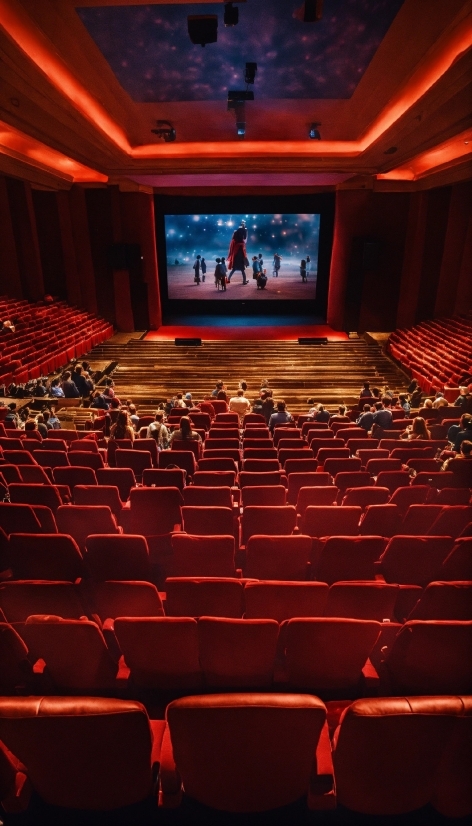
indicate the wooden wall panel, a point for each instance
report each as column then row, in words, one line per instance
column 26, row 238
column 10, row 278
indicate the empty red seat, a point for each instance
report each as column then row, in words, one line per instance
column 117, row 557
column 286, row 433
column 326, row 520
column 75, row 653
column 365, row 496
column 150, row 445
column 419, row 518
column 444, row 601
column 35, row 494
column 352, row 479
column 260, row 465
column 237, row 653
column 375, row 466
column 362, row 600
column 152, row 511
column 278, row 557
column 123, row 478
column 349, row 558
column 203, row 556
column 458, row 564
column 263, row 495
column 200, row 495
column 414, row 560
column 19, row 600
column 301, row 466
column 327, row 655
column 163, row 478
column 45, row 556
column 271, row 478
column 161, row 652
column 381, row 520
column 429, row 657
column 453, row 496
column 325, row 495
column 335, row 466
column 285, row 454
column 440, row 479
column 15, row 670
column 392, row 479
column 263, row 752
column 181, row 458
column 204, row 596
column 215, row 478
column 282, row 600
column 73, row 476
column 451, row 521
column 16, row 518
column 98, row 495
column 409, row 495
column 84, row 458
column 136, row 460
column 50, row 458
column 84, row 445
column 267, row 519
column 332, row 453
column 297, row 480
column 207, row 520
column 259, row 453
column 79, row 521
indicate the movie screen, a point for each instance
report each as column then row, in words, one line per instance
column 242, row 257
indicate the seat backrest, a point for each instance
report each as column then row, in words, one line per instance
column 85, row 458
column 113, row 599
column 203, row 556
column 46, row 556
column 152, row 511
column 204, row 596
column 458, row 564
column 414, row 560
column 200, row 495
column 98, row 495
column 51, row 458
column 278, row 557
column 15, row 668
column 352, row 479
column 35, row 494
column 325, row 495
column 392, row 479
column 366, row 496
column 267, row 519
column 73, row 476
column 286, row 453
column 164, row 478
column 419, row 518
column 301, row 479
column 207, row 520
column 237, row 653
column 451, row 521
column 150, row 445
column 375, row 774
column 281, row 600
column 250, row 478
column 409, row 495
column 246, row 769
column 261, row 465
column 263, row 495
column 110, row 764
column 84, row 445
column 17, row 518
column 137, row 460
column 123, row 478
column 328, row 654
column 19, row 600
column 335, row 466
column 117, row 557
column 184, row 459
column 375, row 466
column 431, row 657
column 79, row 521
column 444, row 601
column 326, row 520
column 384, row 520
column 301, row 466
column 349, row 558
column 362, row 600
column 161, row 652
column 215, row 478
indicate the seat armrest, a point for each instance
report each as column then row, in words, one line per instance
column 170, row 786
column 322, row 790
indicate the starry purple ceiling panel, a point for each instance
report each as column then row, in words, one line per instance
column 149, row 50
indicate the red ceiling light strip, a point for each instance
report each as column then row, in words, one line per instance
column 445, row 154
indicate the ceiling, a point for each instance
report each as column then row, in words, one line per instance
column 81, row 87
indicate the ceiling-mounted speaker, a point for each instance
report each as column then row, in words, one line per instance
column 202, row 28
column 310, row 11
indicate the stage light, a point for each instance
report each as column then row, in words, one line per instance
column 202, row 28
column 250, row 72
column 165, row 130
column 310, row 11
column 231, row 15
column 240, row 129
column 314, row 133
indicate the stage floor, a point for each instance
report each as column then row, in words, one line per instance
column 241, row 328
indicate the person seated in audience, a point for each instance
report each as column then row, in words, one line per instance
column 51, row 421
column 109, row 391
column 206, row 407
column 463, row 435
column 464, row 399
column 122, row 428
column 415, row 397
column 56, row 389
column 340, row 416
column 222, row 397
column 12, row 415
column 69, row 389
column 417, row 430
column 188, row 400
column 133, row 414
column 439, row 400
column 264, row 405
column 113, row 409
column 456, row 428
column 39, row 389
column 280, row 417
column 219, row 386
column 243, row 386
column 321, row 414
column 239, row 404
column 31, row 425
column 158, row 431
column 178, row 400
column 99, row 401
column 84, row 385
column 366, row 392
column 184, row 432
column 366, row 419
column 382, row 415
column 465, row 454
column 428, row 403
column 41, row 425
column 403, row 403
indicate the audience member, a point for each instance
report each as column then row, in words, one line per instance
column 68, row 387
column 382, row 415
column 366, row 419
column 239, row 404
column 280, row 417
column 178, row 400
column 84, row 385
column 321, row 414
column 99, row 401
column 340, row 416
column 403, row 403
column 56, row 390
column 109, row 391
column 366, row 392
column 41, row 426
column 207, row 407
column 464, row 400
column 122, row 428
column 184, row 432
column 417, row 430
column 39, row 389
column 463, row 435
column 12, row 417
column 51, row 421
column 456, row 428
column 439, row 401
column 219, row 386
column 158, row 431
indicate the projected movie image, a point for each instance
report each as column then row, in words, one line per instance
column 242, row 257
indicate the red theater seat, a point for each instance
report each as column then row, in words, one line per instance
column 211, row 496
column 15, row 669
column 278, row 557
column 99, row 495
column 297, row 480
column 326, row 520
column 366, row 496
column 203, row 556
column 207, row 520
column 35, row 494
column 79, row 521
column 451, row 521
column 419, row 519
column 117, row 557
column 136, row 460
column 123, row 478
column 382, row 520
column 458, row 565
column 282, row 600
column 45, row 556
column 267, row 519
column 414, row 560
column 163, row 478
column 19, row 600
column 200, row 596
column 349, row 558
column 73, row 476
column 409, row 495
column 237, row 653
column 125, row 599
column 362, row 600
column 215, row 478
column 182, row 458
column 325, row 495
column 262, row 495
column 152, row 511
column 444, row 601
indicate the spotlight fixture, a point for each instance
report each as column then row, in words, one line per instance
column 231, row 15
column 310, row 11
column 165, row 130
column 250, row 72
column 240, row 128
column 314, row 133
column 203, row 28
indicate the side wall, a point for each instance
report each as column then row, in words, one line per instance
column 399, row 258
column 58, row 243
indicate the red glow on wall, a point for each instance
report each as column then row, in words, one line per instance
column 445, row 154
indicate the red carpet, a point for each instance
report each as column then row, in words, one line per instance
column 247, row 333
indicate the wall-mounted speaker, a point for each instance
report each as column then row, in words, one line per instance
column 188, row 342
column 311, row 341
column 123, row 256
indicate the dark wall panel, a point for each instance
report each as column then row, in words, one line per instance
column 50, row 246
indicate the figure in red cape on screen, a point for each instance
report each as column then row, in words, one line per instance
column 237, row 255
column 277, row 260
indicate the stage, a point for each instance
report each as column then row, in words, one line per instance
column 240, row 328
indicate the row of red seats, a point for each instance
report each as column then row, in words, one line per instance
column 266, row 752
